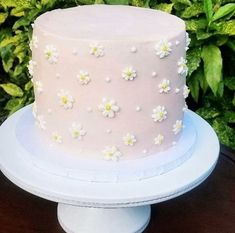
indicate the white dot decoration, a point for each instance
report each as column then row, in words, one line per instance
column 75, row 52
column 144, row 151
column 173, row 143
column 177, row 90
column 57, row 75
column 49, row 111
column 108, row 80
column 89, row 109
column 154, row 74
column 133, row 49
column 108, row 131
column 138, row 109
column 177, row 42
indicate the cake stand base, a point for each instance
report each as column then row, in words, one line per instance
column 75, row 219
column 97, row 207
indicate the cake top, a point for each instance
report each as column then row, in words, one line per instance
column 105, row 22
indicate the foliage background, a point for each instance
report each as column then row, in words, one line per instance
column 211, row 56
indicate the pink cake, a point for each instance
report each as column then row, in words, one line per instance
column 109, row 81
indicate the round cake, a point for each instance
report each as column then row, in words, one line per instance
column 109, row 81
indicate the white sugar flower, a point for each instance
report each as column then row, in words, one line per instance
column 177, row 126
column 40, row 122
column 51, row 54
column 159, row 139
column 164, row 86
column 163, row 48
column 33, row 42
column 38, row 87
column 159, row 114
column 182, row 67
column 188, row 40
column 76, row 131
column 30, row 66
column 186, row 91
column 65, row 99
column 83, row 77
column 57, row 138
column 111, row 153
column 129, row 139
column 96, row 50
column 34, row 109
column 108, row 108
column 129, row 73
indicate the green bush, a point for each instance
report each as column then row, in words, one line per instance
column 211, row 60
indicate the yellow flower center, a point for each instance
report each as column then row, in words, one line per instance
column 76, row 133
column 49, row 54
column 64, row 99
column 108, row 107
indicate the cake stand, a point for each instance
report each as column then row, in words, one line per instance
column 98, row 207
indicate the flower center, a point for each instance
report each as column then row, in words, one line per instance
column 108, row 107
column 64, row 100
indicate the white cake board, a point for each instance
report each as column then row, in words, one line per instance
column 88, row 207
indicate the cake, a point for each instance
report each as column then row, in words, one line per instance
column 109, row 81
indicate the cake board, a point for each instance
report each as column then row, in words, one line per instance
column 109, row 207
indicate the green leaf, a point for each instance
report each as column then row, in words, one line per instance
column 225, row 133
column 28, row 85
column 223, row 11
column 14, row 104
column 233, row 101
column 208, row 8
column 164, row 7
column 202, row 81
column 225, row 28
column 229, row 116
column 12, row 89
column 202, row 35
column 195, row 24
column 231, row 44
column 120, row 2
column 193, row 83
column 208, row 112
column 194, row 59
column 230, row 83
column 21, row 22
column 3, row 17
column 7, row 58
column 212, row 59
column 184, row 2
column 193, row 10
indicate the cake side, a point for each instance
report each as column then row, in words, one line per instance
column 109, row 98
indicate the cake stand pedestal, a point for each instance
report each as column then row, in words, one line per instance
column 88, row 207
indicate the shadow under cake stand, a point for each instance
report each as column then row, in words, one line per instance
column 107, row 207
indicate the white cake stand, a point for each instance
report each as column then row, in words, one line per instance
column 88, row 207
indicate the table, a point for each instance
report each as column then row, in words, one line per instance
column 209, row 208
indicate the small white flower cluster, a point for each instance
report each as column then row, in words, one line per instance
column 188, row 40
column 77, row 131
column 159, row 139
column 111, row 153
column 65, row 99
column 40, row 122
column 163, row 48
column 177, row 127
column 57, row 138
column 129, row 74
column 96, row 49
column 186, row 91
column 129, row 139
column 38, row 87
column 108, row 108
column 30, row 66
column 83, row 77
column 159, row 114
column 33, row 42
column 51, row 54
column 164, row 86
column 182, row 67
